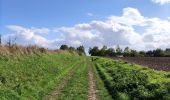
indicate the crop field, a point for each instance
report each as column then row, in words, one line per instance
column 67, row 76
column 158, row 63
column 126, row 81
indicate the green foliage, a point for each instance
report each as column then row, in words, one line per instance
column 64, row 47
column 119, row 50
column 81, row 50
column 127, row 52
column 132, row 81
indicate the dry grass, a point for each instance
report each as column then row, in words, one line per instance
column 18, row 50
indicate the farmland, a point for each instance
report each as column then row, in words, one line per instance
column 158, row 63
column 68, row 76
column 126, row 81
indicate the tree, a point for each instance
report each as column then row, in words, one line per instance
column 134, row 53
column 110, row 52
column 81, row 50
column 149, row 53
column 94, row 51
column 64, row 47
column 127, row 52
column 103, row 51
column 118, row 50
column 142, row 53
column 158, row 53
column 72, row 48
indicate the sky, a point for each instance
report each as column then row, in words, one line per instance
column 138, row 24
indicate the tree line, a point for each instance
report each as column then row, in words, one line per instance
column 80, row 50
column 127, row 52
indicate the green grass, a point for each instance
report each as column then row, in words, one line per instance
column 102, row 92
column 77, row 86
column 127, row 81
column 32, row 77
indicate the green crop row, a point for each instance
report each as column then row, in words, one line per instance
column 126, row 81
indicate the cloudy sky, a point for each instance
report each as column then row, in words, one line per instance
column 139, row 24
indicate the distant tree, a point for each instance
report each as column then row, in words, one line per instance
column 81, row 50
column 94, row 51
column 110, row 52
column 64, row 47
column 72, row 48
column 103, row 50
column 142, row 53
column 134, row 53
column 127, row 52
column 118, row 50
column 158, row 53
column 149, row 53
column 167, row 52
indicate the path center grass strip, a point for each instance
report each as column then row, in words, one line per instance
column 77, row 86
column 63, row 82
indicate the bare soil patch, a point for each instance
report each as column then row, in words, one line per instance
column 92, row 85
column 157, row 63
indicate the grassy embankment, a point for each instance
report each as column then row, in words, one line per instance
column 34, row 74
column 126, row 81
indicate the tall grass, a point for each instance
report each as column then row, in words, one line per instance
column 17, row 50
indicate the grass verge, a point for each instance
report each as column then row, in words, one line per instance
column 32, row 77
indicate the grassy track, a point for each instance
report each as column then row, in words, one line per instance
column 92, row 83
column 56, row 92
column 77, row 86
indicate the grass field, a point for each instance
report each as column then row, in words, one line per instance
column 64, row 76
column 32, row 77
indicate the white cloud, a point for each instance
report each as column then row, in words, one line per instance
column 162, row 2
column 168, row 18
column 121, row 30
column 89, row 14
column 40, row 30
column 111, row 32
column 29, row 35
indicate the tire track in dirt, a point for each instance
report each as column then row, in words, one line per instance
column 92, row 85
column 56, row 92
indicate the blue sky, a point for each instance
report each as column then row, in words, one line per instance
column 55, row 14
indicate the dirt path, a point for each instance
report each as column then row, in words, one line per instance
column 55, row 93
column 92, row 85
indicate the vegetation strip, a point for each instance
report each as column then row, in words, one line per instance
column 126, row 81
column 92, row 85
column 101, row 91
column 53, row 95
